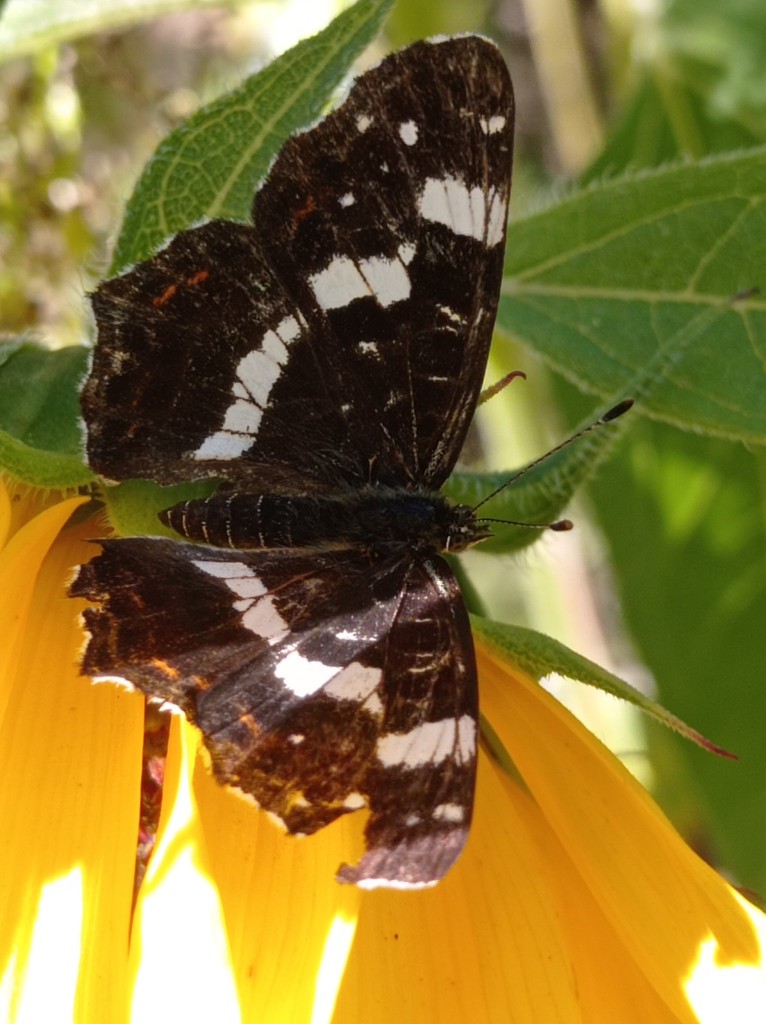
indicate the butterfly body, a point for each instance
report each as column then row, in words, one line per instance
column 377, row 519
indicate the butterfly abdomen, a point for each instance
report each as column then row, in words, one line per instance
column 348, row 519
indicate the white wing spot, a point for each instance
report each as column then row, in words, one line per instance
column 448, row 812
column 363, row 122
column 355, row 802
column 429, row 743
column 257, row 608
column 465, row 211
column 358, row 683
column 257, row 372
column 407, row 253
column 408, row 133
column 347, row 200
column 492, row 125
column 451, row 314
column 344, row 280
column 303, row 676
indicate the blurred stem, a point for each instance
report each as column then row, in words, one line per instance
column 565, row 80
column 679, row 111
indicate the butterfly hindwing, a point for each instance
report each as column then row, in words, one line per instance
column 320, row 686
column 343, row 337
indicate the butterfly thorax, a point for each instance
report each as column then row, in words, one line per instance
column 377, row 517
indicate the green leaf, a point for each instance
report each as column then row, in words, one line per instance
column 210, row 165
column 600, row 283
column 40, row 438
column 541, row 492
column 27, row 26
column 541, row 656
column 666, row 120
column 133, row 506
column 685, row 521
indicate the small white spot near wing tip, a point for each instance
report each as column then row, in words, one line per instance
column 408, row 133
column 363, row 122
column 492, row 125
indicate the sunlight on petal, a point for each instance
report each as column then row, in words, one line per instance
column 281, row 903
column 656, row 893
column 69, row 787
column 331, row 967
column 725, row 992
column 47, row 987
column 179, row 948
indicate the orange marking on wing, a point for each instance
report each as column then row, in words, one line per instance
column 198, row 278
column 165, row 667
column 304, row 211
column 172, row 289
column 250, row 723
column 167, row 295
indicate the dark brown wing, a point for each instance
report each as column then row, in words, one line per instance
column 321, row 684
column 343, row 338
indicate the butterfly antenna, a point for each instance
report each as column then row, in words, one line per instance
column 562, row 524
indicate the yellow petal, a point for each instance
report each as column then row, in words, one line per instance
column 485, row 945
column 69, row 793
column 665, row 903
column 179, row 951
column 20, row 560
column 20, row 503
column 5, row 513
column 228, row 899
column 290, row 924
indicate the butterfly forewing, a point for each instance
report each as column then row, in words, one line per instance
column 344, row 336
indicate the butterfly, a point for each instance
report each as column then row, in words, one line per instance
column 322, row 364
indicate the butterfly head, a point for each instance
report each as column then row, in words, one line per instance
column 464, row 529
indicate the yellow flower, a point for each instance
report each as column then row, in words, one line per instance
column 575, row 900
